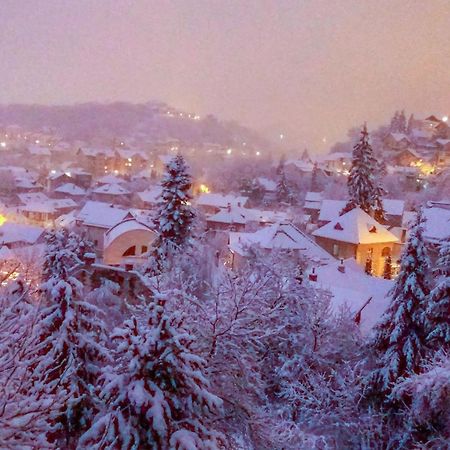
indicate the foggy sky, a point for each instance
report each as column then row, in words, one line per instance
column 307, row 68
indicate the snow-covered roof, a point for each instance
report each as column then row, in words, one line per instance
column 125, row 226
column 39, row 151
column 399, row 137
column 239, row 215
column 38, row 207
column 150, row 195
column 100, row 214
column 313, row 197
column 355, row 227
column 443, row 142
column 282, row 235
column 336, row 156
column 267, row 184
column 33, row 197
column 125, row 154
column 304, row 166
column 59, row 203
column 111, row 189
column 437, row 224
column 110, row 179
column 18, row 232
column 6, row 254
column 220, row 200
column 70, row 189
column 353, row 288
column 330, row 209
column 91, row 151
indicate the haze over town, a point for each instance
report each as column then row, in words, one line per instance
column 307, row 69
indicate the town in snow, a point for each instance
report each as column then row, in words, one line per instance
column 172, row 279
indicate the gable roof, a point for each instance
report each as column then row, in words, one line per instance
column 281, row 235
column 356, row 227
column 331, row 209
column 111, row 189
column 220, row 200
column 100, row 214
column 70, row 189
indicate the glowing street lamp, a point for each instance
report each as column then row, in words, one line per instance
column 445, row 119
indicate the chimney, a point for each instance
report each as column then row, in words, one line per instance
column 313, row 275
column 229, row 207
column 341, row 266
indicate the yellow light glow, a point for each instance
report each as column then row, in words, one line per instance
column 204, row 189
column 2, row 219
column 445, row 119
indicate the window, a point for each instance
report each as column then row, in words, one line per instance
column 144, row 249
column 96, row 242
column 386, row 252
column 335, row 249
column 131, row 251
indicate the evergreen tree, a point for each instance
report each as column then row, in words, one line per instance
column 305, row 156
column 175, row 215
column 281, row 163
column 402, row 126
column 400, row 337
column 69, row 347
column 158, row 395
column 394, row 125
column 363, row 188
column 283, row 192
column 387, row 271
column 438, row 312
column 410, row 126
column 315, row 186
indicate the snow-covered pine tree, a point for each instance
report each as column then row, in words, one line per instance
column 394, row 125
column 175, row 215
column 69, row 348
column 363, row 188
column 410, row 126
column 315, row 185
column 400, row 341
column 438, row 312
column 402, row 126
column 283, row 192
column 387, row 270
column 158, row 396
column 281, row 163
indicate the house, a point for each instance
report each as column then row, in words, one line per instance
column 111, row 193
column 269, row 188
column 96, row 161
column 237, row 218
column 330, row 209
column 357, row 235
column 442, row 155
column 407, row 157
column 213, row 203
column 57, row 178
column 339, row 162
column 312, row 205
column 69, row 190
column 37, row 155
column 397, row 141
column 279, row 236
column 129, row 161
column 147, row 199
column 366, row 297
column 95, row 218
column 297, row 167
column 18, row 235
column 127, row 243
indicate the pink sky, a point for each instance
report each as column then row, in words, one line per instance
column 307, row 68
